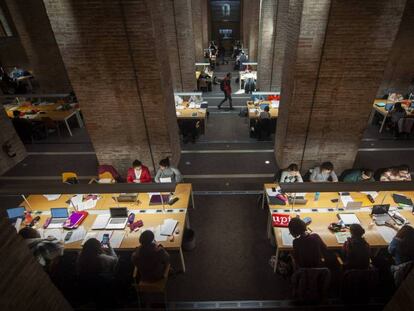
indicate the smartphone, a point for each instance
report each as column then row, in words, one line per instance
column 105, row 240
column 334, row 200
column 68, row 235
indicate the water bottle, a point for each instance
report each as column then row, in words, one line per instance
column 317, row 196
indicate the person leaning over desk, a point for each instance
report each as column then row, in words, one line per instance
column 167, row 173
column 138, row 173
column 324, row 173
column 400, row 173
column 401, row 247
column 291, row 174
column 356, row 250
column 308, row 248
column 359, row 175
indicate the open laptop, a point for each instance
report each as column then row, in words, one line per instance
column 263, row 106
column 58, row 217
column 15, row 213
column 353, row 205
column 119, row 218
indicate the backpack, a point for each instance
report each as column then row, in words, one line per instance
column 222, row 85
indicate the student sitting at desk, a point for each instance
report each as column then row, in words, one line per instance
column 358, row 176
column 324, row 173
column 397, row 113
column 46, row 251
column 395, row 97
column 167, row 173
column 138, row 173
column 356, row 250
column 401, row 173
column 308, row 248
column 94, row 261
column 401, row 247
column 150, row 258
column 291, row 174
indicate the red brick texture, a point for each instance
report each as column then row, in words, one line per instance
column 250, row 26
column 115, row 56
column 178, row 25
column 36, row 38
column 337, row 72
column 9, row 137
column 272, row 42
column 399, row 73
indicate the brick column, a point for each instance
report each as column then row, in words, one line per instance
column 399, row 73
column 272, row 42
column 178, row 25
column 337, row 68
column 250, row 26
column 36, row 37
column 115, row 56
column 206, row 20
column 197, row 17
column 12, row 150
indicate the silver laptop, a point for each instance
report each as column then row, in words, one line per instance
column 58, row 217
column 119, row 218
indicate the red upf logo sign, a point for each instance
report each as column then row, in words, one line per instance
column 280, row 220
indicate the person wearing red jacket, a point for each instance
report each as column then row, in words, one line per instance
column 225, row 86
column 138, row 173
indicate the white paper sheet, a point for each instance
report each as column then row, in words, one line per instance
column 179, row 107
column 105, row 181
column 387, row 233
column 117, row 238
column 158, row 236
column 349, row 219
column 168, row 227
column 346, row 199
column 57, row 233
column 88, row 204
column 76, row 200
column 341, row 237
column 77, row 235
column 252, row 110
column 52, row 197
column 100, row 222
column 275, row 104
column 287, row 238
column 165, row 179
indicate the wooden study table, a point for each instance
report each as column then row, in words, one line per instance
column 198, row 114
column 384, row 113
column 51, row 111
column 324, row 212
column 253, row 110
column 151, row 215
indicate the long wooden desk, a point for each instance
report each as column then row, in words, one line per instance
column 324, row 212
column 151, row 215
column 384, row 113
column 254, row 110
column 51, row 111
column 186, row 113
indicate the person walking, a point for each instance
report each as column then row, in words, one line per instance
column 225, row 86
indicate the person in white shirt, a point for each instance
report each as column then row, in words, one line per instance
column 324, row 173
column 291, row 174
column 167, row 173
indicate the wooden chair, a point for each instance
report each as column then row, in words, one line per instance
column 106, row 176
column 68, row 175
column 151, row 288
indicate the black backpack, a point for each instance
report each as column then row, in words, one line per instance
column 222, row 85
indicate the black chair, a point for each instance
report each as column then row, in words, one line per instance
column 311, row 285
column 359, row 285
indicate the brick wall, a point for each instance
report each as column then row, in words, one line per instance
column 36, row 38
column 336, row 77
column 178, row 26
column 250, row 26
column 8, row 136
column 206, row 20
column 115, row 56
column 399, row 73
column 197, row 19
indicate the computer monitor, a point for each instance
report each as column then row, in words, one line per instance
column 263, row 106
